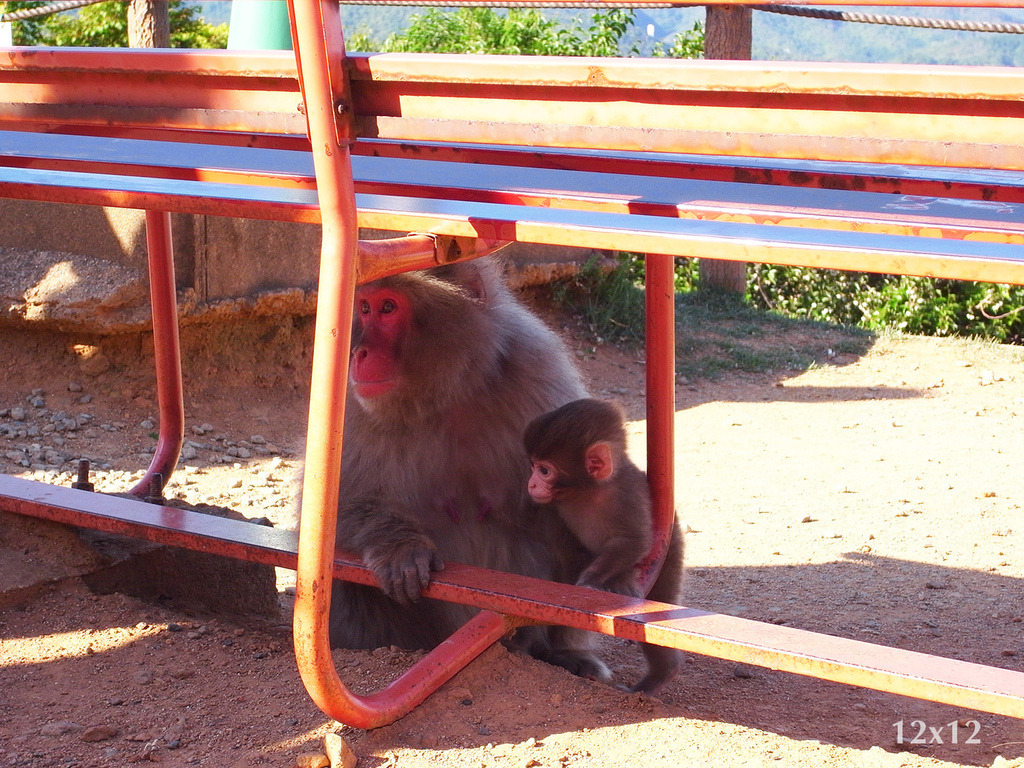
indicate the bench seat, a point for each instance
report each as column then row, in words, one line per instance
column 837, row 228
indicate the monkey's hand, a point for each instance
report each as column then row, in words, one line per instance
column 403, row 570
column 622, row 585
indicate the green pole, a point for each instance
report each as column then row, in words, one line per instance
column 259, row 25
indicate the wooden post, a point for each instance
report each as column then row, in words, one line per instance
column 727, row 35
column 728, row 32
column 149, row 24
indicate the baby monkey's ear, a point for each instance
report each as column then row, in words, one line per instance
column 599, row 462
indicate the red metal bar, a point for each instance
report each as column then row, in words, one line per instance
column 380, row 258
column 851, row 176
column 317, row 30
column 660, row 293
column 314, row 44
column 320, row 49
column 908, row 673
column 876, row 113
column 170, row 393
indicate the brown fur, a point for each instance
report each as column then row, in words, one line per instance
column 610, row 515
column 433, row 470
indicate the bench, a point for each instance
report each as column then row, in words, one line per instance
column 816, row 165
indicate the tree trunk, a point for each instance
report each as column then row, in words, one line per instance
column 727, row 35
column 728, row 32
column 149, row 25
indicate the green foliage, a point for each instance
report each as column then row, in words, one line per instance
column 601, row 38
column 917, row 305
column 190, row 30
column 516, row 32
column 611, row 300
column 106, row 25
column 715, row 332
column 475, row 30
column 360, row 41
column 685, row 45
column 609, row 294
column 24, row 32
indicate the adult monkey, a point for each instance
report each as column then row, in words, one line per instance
column 447, row 369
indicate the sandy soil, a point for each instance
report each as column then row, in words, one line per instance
column 876, row 496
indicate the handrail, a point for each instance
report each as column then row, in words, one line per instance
column 316, row 29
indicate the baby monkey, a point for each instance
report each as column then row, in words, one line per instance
column 580, row 467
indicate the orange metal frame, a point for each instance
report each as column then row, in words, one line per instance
column 392, row 103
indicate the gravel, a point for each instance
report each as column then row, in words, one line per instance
column 47, row 444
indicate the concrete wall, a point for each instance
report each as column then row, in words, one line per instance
column 83, row 267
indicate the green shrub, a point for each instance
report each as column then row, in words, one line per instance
column 611, row 300
column 916, row 305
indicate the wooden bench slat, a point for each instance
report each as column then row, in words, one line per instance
column 942, row 116
column 984, row 261
column 210, row 63
column 159, row 159
column 909, row 114
column 562, row 188
column 294, row 167
column 630, row 194
column 561, row 207
column 967, row 183
column 181, row 196
column 200, row 90
column 733, row 241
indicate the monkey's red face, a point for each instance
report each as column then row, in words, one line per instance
column 542, row 482
column 382, row 318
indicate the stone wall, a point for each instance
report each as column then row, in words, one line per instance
column 84, row 268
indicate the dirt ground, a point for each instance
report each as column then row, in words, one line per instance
column 876, row 496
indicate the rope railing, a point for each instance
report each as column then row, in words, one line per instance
column 789, row 10
column 46, row 10
column 814, row 13
column 525, row 4
column 895, row 21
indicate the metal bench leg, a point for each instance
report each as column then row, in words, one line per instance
column 320, row 48
column 661, row 404
column 167, row 353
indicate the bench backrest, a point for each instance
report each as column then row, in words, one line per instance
column 210, row 96
column 918, row 115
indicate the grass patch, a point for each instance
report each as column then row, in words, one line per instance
column 715, row 333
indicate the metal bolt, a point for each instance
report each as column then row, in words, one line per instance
column 83, row 484
column 155, row 495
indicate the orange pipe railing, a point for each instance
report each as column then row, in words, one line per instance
column 659, row 297
column 170, row 393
